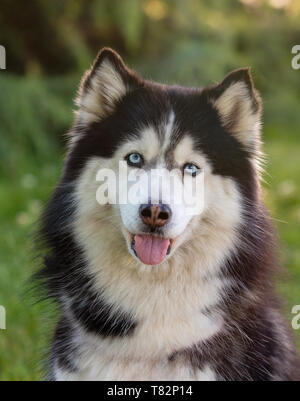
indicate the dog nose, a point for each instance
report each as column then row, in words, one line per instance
column 155, row 215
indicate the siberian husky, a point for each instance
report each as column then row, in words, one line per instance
column 147, row 290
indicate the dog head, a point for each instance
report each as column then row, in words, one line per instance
column 159, row 141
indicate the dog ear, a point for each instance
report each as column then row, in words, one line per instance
column 103, row 86
column 239, row 107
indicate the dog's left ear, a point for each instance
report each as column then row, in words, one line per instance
column 104, row 85
column 239, row 107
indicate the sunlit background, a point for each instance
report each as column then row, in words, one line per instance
column 50, row 44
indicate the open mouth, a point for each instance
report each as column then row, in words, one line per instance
column 150, row 249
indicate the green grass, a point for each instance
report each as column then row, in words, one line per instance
column 24, row 342
column 25, row 185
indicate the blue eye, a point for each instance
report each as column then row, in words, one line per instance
column 135, row 160
column 191, row 169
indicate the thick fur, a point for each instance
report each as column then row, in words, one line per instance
column 207, row 312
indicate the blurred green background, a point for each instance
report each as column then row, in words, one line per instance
column 50, row 44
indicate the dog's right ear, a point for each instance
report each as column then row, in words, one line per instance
column 103, row 86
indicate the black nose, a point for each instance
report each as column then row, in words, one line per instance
column 155, row 215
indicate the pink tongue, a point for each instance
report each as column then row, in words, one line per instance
column 151, row 250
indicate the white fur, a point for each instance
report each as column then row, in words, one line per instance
column 166, row 300
column 168, row 132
